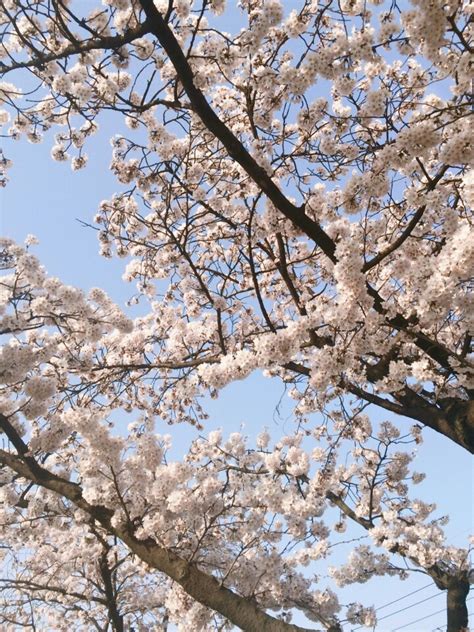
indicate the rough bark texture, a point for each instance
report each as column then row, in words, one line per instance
column 458, row 591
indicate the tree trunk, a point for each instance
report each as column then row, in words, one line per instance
column 458, row 590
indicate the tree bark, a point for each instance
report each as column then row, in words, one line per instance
column 458, row 590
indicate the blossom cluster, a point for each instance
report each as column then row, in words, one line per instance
column 294, row 196
column 254, row 517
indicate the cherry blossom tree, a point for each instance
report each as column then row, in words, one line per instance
column 294, row 196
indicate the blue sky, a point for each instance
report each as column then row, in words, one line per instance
column 47, row 199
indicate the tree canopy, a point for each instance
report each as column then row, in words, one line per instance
column 294, row 195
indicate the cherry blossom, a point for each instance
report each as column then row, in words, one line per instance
column 294, row 196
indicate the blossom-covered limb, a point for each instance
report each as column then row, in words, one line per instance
column 235, row 148
column 202, row 587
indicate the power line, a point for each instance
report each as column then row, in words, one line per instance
column 423, row 618
column 442, row 628
column 417, row 620
column 413, row 592
column 391, row 614
column 437, row 594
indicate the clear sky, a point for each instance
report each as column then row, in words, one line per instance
column 47, row 199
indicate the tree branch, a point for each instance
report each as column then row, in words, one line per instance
column 112, row 42
column 206, row 589
column 234, row 147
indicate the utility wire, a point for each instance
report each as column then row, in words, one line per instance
column 417, row 620
column 390, row 603
column 442, row 628
column 437, row 594
column 423, row 618
column 413, row 592
column 391, row 614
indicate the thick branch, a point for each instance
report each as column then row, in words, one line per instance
column 350, row 513
column 234, row 147
column 454, row 418
column 206, row 589
column 12, row 435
